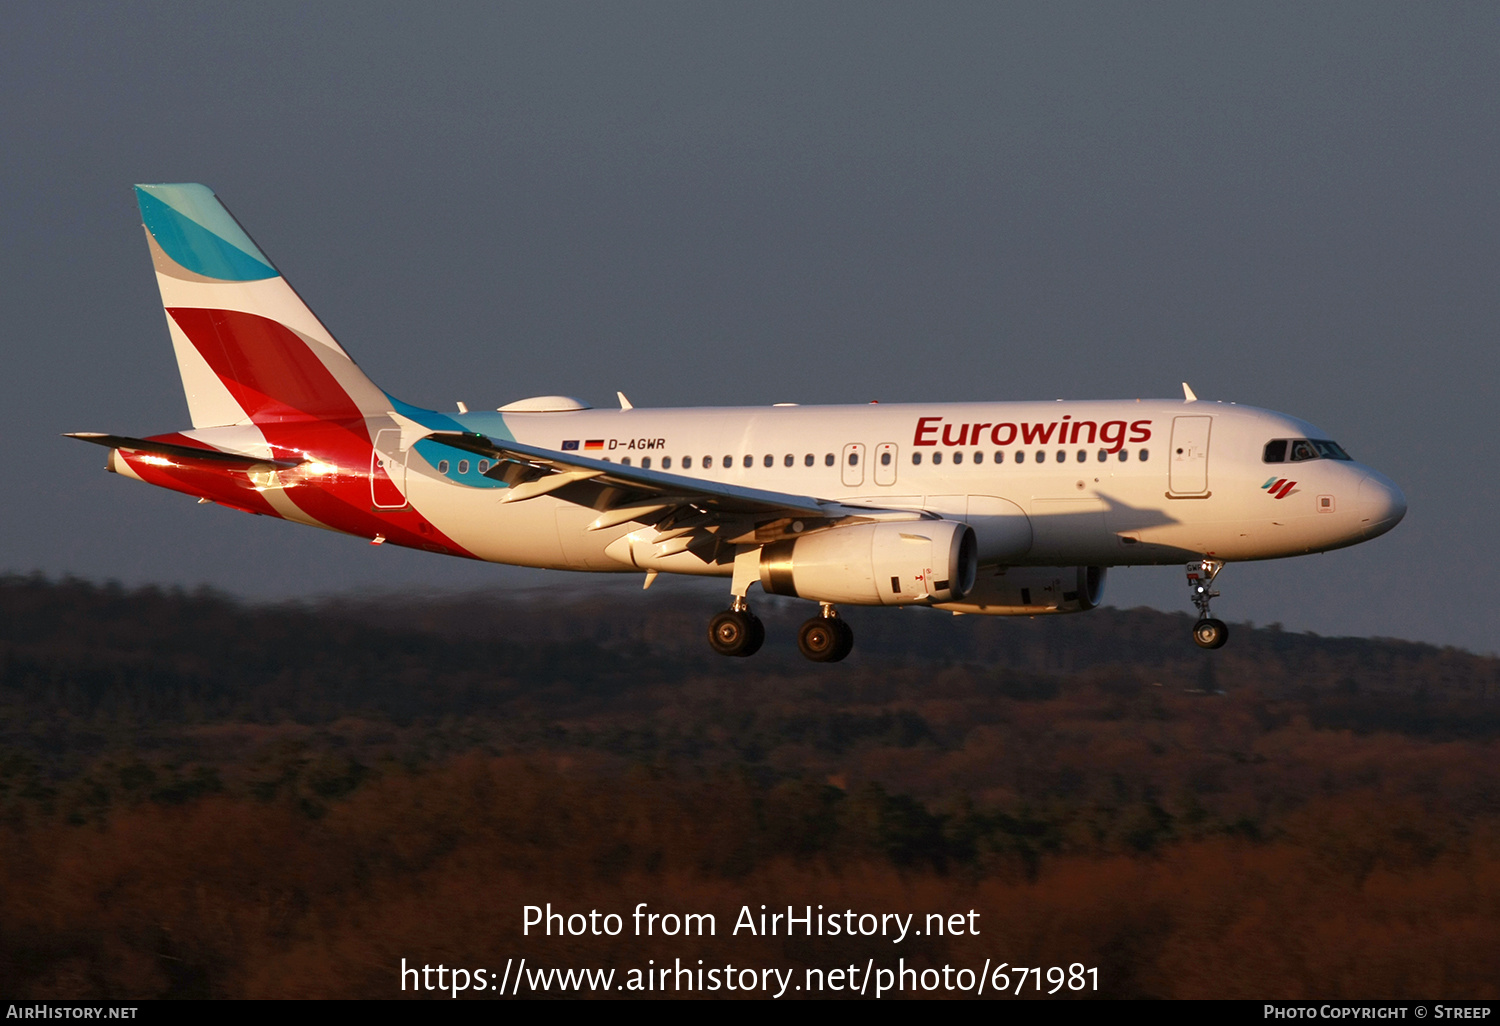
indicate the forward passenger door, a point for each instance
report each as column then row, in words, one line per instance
column 1187, row 462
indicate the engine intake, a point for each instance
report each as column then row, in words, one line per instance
column 886, row 564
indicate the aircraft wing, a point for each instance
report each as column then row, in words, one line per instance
column 652, row 494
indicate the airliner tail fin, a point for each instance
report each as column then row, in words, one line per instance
column 250, row 351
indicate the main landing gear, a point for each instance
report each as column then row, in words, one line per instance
column 737, row 631
column 1207, row 632
column 825, row 638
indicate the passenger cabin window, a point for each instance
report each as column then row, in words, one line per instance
column 1020, row 457
column 1082, row 456
column 442, row 466
column 937, row 458
column 645, row 462
column 828, row 459
column 769, row 460
column 958, row 457
column 484, row 465
column 1143, row 455
column 666, row 463
column 624, row 461
column 463, row 466
column 999, row 456
column 749, row 462
column 687, row 463
column 885, row 459
column 789, row 460
column 808, row 460
column 1041, row 457
column 916, row 459
column 979, row 457
column 708, row 463
column 854, row 459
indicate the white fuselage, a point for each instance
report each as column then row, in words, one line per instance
column 1158, row 481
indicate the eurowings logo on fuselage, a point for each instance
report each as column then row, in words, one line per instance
column 1280, row 487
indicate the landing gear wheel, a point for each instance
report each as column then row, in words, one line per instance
column 757, row 635
column 736, row 633
column 846, row 640
column 1210, row 633
column 825, row 639
column 1207, row 632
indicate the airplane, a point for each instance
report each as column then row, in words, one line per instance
column 1003, row 509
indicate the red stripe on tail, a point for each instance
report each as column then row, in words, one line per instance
column 268, row 368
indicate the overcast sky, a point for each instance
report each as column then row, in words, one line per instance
column 1291, row 206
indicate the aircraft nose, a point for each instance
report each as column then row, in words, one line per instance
column 1381, row 505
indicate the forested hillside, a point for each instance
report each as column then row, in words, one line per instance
column 202, row 798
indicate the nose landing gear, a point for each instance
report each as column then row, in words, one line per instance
column 1207, row 632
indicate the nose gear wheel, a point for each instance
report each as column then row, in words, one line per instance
column 1207, row 632
column 1210, row 633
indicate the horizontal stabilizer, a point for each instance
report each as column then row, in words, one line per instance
column 180, row 452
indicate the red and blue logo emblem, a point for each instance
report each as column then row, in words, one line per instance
column 1280, row 487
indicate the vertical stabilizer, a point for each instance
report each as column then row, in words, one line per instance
column 248, row 348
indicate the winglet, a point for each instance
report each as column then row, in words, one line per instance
column 1187, row 394
column 624, row 403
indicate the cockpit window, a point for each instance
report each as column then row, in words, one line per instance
column 1298, row 450
column 1302, row 449
column 1330, row 450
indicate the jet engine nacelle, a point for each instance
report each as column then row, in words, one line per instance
column 884, row 564
column 1032, row 591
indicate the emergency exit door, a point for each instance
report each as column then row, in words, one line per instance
column 853, row 462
